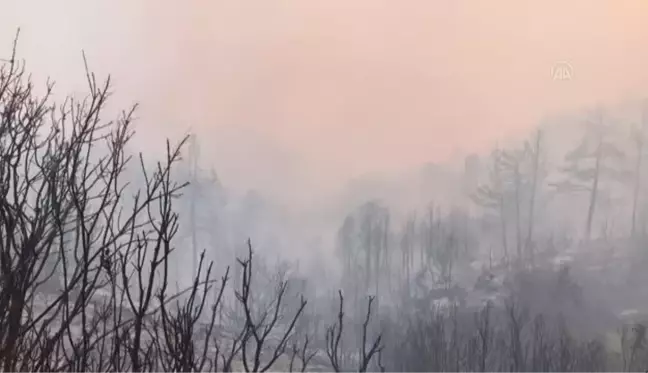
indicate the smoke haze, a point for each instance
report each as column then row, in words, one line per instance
column 294, row 98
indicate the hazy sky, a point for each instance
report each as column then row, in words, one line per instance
column 313, row 92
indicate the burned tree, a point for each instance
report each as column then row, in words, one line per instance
column 639, row 136
column 590, row 163
column 492, row 196
column 522, row 175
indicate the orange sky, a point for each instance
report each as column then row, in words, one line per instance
column 314, row 92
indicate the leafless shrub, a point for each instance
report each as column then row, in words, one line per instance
column 494, row 338
column 258, row 328
column 334, row 338
column 84, row 267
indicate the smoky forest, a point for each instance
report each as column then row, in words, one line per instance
column 528, row 257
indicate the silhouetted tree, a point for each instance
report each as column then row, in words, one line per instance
column 492, row 195
column 589, row 162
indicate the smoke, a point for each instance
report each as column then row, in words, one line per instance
column 294, row 99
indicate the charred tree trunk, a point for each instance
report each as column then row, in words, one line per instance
column 518, row 228
column 534, row 186
column 637, row 174
column 594, row 192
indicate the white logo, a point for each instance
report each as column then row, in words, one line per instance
column 562, row 71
